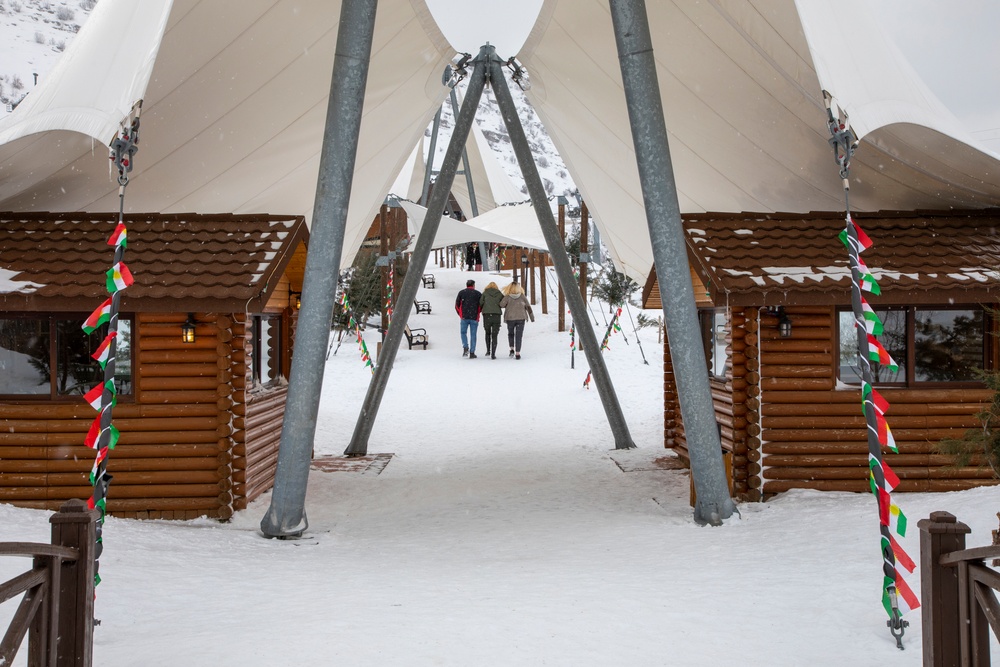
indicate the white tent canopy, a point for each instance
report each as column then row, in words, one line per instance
column 235, row 106
column 510, row 225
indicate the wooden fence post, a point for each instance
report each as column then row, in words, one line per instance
column 939, row 589
column 76, row 526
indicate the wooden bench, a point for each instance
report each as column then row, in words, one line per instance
column 422, row 306
column 428, row 279
column 415, row 337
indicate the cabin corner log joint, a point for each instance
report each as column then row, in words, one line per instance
column 199, row 420
column 788, row 407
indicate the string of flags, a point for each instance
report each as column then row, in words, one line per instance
column 613, row 326
column 103, row 435
column 897, row 596
column 362, row 346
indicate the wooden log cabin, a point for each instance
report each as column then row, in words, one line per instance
column 200, row 419
column 774, row 303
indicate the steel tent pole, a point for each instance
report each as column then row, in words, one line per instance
column 577, row 306
column 659, row 192
column 286, row 516
column 421, row 251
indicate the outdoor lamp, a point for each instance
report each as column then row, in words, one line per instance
column 784, row 324
column 187, row 329
column 524, row 259
column 295, row 300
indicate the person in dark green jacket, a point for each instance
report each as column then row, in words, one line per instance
column 489, row 302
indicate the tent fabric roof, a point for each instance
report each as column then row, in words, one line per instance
column 767, row 259
column 234, row 111
column 744, row 110
column 181, row 262
column 234, row 114
column 510, row 225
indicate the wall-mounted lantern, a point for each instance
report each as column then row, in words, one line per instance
column 784, row 322
column 295, row 300
column 187, row 329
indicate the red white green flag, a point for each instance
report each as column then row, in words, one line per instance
column 118, row 237
column 877, row 353
column 868, row 282
column 94, row 434
column 119, row 277
column 897, row 520
column 864, row 242
column 872, row 322
column 101, row 315
column 103, row 352
column 94, row 395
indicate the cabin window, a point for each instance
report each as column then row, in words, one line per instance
column 928, row 344
column 50, row 356
column 713, row 336
column 266, row 365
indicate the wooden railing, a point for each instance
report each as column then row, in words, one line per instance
column 57, row 607
column 958, row 595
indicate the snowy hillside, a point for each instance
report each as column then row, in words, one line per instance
column 550, row 165
column 33, row 34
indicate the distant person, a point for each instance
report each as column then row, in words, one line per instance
column 490, row 306
column 468, row 308
column 516, row 310
column 470, row 256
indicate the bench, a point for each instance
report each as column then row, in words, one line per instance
column 428, row 279
column 422, row 306
column 416, row 337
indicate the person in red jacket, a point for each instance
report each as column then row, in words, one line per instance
column 468, row 308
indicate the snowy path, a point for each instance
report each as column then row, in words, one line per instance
column 503, row 533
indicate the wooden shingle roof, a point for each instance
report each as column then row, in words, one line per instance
column 917, row 257
column 180, row 262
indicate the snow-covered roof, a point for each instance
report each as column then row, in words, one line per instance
column 235, row 106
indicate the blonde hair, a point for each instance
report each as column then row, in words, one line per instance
column 513, row 288
column 492, row 286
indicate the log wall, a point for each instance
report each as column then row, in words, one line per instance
column 258, row 416
column 733, row 415
column 171, row 461
column 789, row 425
column 814, row 434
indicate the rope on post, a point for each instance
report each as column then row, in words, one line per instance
column 897, row 597
column 103, row 435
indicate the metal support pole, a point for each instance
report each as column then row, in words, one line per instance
column 584, row 249
column 429, row 168
column 562, row 236
column 659, row 193
column 421, row 251
column 577, row 306
column 286, row 517
column 470, row 185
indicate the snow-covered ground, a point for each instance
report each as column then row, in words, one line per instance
column 503, row 532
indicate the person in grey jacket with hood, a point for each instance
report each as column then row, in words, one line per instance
column 516, row 310
column 489, row 303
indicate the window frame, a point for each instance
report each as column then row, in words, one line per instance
column 53, row 317
column 707, row 322
column 256, row 321
column 989, row 346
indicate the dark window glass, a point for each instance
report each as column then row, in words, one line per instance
column 947, row 345
column 24, row 357
column 31, row 365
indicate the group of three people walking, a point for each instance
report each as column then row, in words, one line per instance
column 492, row 302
